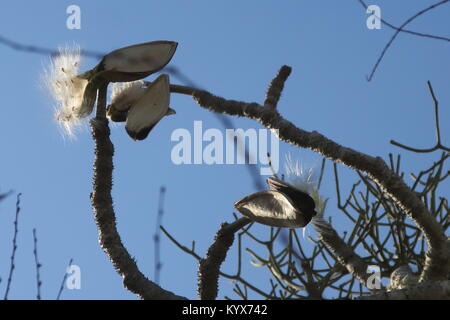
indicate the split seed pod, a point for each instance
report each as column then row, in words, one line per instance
column 123, row 96
column 149, row 109
column 123, row 65
column 283, row 205
column 135, row 62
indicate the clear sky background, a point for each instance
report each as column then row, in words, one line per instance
column 232, row 48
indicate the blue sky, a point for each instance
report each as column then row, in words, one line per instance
column 232, row 49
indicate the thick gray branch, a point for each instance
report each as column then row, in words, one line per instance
column 105, row 218
column 276, row 87
column 209, row 268
column 343, row 253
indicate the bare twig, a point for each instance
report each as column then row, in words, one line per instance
column 14, row 249
column 63, row 282
column 369, row 78
column 38, row 266
column 5, row 195
column 438, row 144
column 420, row 34
column 156, row 237
column 15, row 45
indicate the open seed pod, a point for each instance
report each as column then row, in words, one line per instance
column 149, row 109
column 123, row 96
column 282, row 206
column 135, row 62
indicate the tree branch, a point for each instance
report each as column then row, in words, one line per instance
column 104, row 215
column 209, row 268
column 276, row 87
column 343, row 253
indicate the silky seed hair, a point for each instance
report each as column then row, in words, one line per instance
column 306, row 180
column 66, row 88
column 123, row 95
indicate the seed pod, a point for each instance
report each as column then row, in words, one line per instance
column 136, row 62
column 149, row 109
column 282, row 206
column 123, row 96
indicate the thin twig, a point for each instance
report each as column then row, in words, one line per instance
column 5, row 195
column 63, row 282
column 157, row 238
column 38, row 266
column 383, row 52
column 438, row 144
column 420, row 34
column 14, row 249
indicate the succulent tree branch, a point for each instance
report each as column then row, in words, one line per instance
column 104, row 215
column 276, row 87
column 438, row 256
column 343, row 253
column 235, row 277
column 209, row 267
